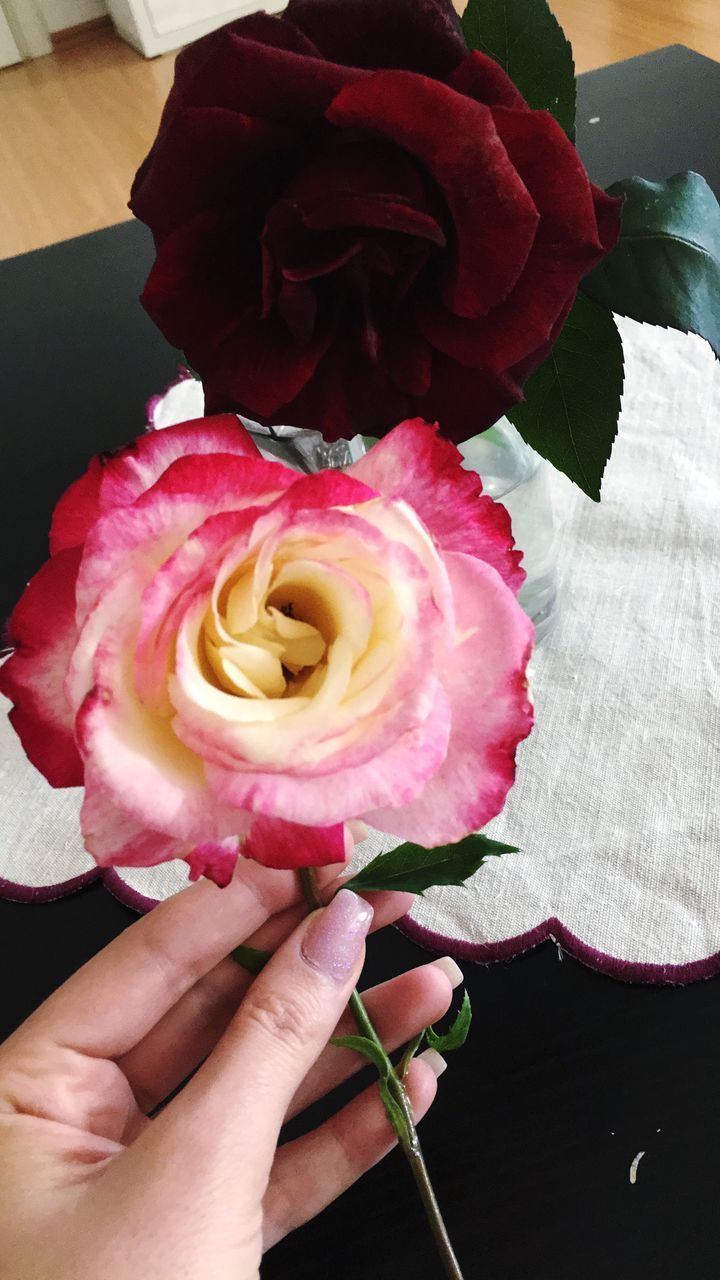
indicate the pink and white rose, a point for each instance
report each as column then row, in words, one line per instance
column 232, row 658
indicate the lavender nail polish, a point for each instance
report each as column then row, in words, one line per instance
column 335, row 936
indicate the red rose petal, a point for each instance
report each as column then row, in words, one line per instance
column 481, row 78
column 42, row 629
column 517, row 334
column 272, row 83
column 466, row 400
column 207, row 158
column 286, row 845
column 260, row 27
column 455, row 137
column 77, row 509
column 409, row 358
column 215, row 859
column 608, row 211
column 416, row 35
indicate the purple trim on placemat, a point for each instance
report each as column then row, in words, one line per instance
column 46, row 892
column 553, row 930
column 126, row 894
column 27, row 893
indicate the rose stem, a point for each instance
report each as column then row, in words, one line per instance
column 409, row 1140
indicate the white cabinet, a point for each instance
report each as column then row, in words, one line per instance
column 155, row 26
column 9, row 52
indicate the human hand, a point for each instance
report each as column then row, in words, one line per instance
column 92, row 1187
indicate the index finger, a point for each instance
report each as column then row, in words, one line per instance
column 118, row 996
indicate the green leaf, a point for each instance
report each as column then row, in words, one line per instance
column 376, row 1054
column 412, row 869
column 393, row 1110
column 251, row 959
column 665, row 268
column 367, row 1047
column 458, row 1033
column 572, row 402
column 525, row 37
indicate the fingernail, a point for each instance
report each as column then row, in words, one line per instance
column 335, row 935
column 450, row 969
column 434, row 1060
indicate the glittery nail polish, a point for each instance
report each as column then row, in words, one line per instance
column 336, row 934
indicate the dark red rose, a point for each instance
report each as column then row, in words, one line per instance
column 358, row 221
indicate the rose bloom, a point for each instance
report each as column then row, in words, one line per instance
column 357, row 220
column 234, row 658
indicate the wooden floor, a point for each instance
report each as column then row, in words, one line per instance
column 76, row 124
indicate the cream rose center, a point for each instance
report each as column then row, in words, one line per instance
column 273, row 631
column 262, row 660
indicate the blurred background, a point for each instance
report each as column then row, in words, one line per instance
column 82, row 84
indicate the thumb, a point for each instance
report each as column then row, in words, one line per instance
column 238, row 1100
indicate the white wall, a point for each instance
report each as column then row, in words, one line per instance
column 60, row 14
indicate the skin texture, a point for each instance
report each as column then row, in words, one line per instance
column 94, row 1187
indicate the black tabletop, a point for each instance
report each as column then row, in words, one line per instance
column 567, row 1074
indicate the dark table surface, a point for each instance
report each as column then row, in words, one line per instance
column 567, row 1074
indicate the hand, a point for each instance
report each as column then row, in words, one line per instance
column 92, row 1187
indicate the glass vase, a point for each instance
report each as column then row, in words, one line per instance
column 514, row 474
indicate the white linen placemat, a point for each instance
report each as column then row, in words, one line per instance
column 615, row 807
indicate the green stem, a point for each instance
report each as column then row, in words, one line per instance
column 409, row 1140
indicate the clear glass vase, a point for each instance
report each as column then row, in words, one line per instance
column 514, row 474
column 510, row 470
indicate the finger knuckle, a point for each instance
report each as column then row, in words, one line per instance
column 285, row 1016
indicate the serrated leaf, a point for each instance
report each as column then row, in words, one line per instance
column 412, row 869
column 525, row 37
column 665, row 268
column 251, row 959
column 458, row 1033
column 572, row 402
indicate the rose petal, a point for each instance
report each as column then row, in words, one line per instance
column 456, row 138
column 259, row 27
column 273, row 83
column 117, row 479
column 491, row 713
column 215, row 859
column 397, row 772
column 288, row 845
column 116, row 839
column 42, row 629
column 417, row 35
column 414, row 460
column 204, row 157
column 244, row 360
column 243, row 734
column 364, row 184
column 188, row 572
column 142, row 775
column 566, row 247
column 465, row 400
column 190, row 490
column 481, row 78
